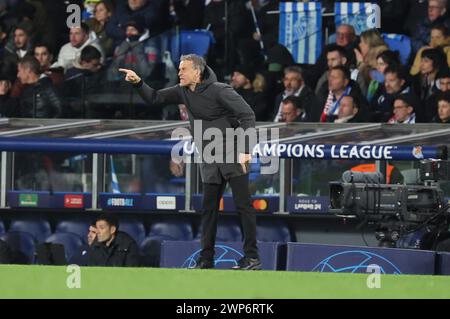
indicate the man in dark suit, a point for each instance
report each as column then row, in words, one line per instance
column 214, row 105
column 294, row 84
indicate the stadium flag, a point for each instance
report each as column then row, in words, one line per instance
column 357, row 14
column 301, row 30
column 114, row 182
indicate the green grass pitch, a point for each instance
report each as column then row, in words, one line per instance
column 51, row 282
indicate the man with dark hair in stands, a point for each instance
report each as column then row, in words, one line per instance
column 340, row 85
column 19, row 48
column 43, row 54
column 443, row 115
column 336, row 56
column 242, row 81
column 112, row 248
column 346, row 38
column 294, row 84
column 38, row 98
column 5, row 253
column 80, row 37
column 382, row 104
column 348, row 110
column 292, row 110
column 86, row 77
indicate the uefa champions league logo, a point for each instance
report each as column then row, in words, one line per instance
column 225, row 256
column 361, row 261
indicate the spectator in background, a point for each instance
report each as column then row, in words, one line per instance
column 43, row 54
column 404, row 107
column 102, row 13
column 385, row 60
column 338, row 56
column 295, row 85
column 345, row 38
column 292, row 111
column 437, row 14
column 278, row 58
column 431, row 106
column 425, row 83
column 340, row 85
column 38, row 99
column 8, row 104
column 242, row 81
column 81, row 258
column 370, row 47
column 348, row 110
column 395, row 83
column 439, row 39
column 154, row 13
column 86, row 77
column 80, row 37
column 112, row 248
column 443, row 115
column 19, row 48
column 130, row 54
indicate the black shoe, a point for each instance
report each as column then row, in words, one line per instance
column 247, row 263
column 203, row 264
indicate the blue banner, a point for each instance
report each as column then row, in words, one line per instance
column 357, row 14
column 350, row 152
column 183, row 254
column 300, row 30
column 294, row 150
column 347, row 259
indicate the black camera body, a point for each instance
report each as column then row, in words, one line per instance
column 374, row 201
column 397, row 210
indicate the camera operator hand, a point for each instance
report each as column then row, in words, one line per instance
column 131, row 76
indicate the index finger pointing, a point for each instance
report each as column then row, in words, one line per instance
column 124, row 71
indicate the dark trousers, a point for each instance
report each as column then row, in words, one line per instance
column 212, row 193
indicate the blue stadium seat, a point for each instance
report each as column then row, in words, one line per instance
column 79, row 227
column 400, row 43
column 38, row 228
column 227, row 231
column 150, row 250
column 72, row 243
column 272, row 231
column 171, row 230
column 134, row 228
column 2, row 228
column 22, row 246
column 190, row 41
column 165, row 230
